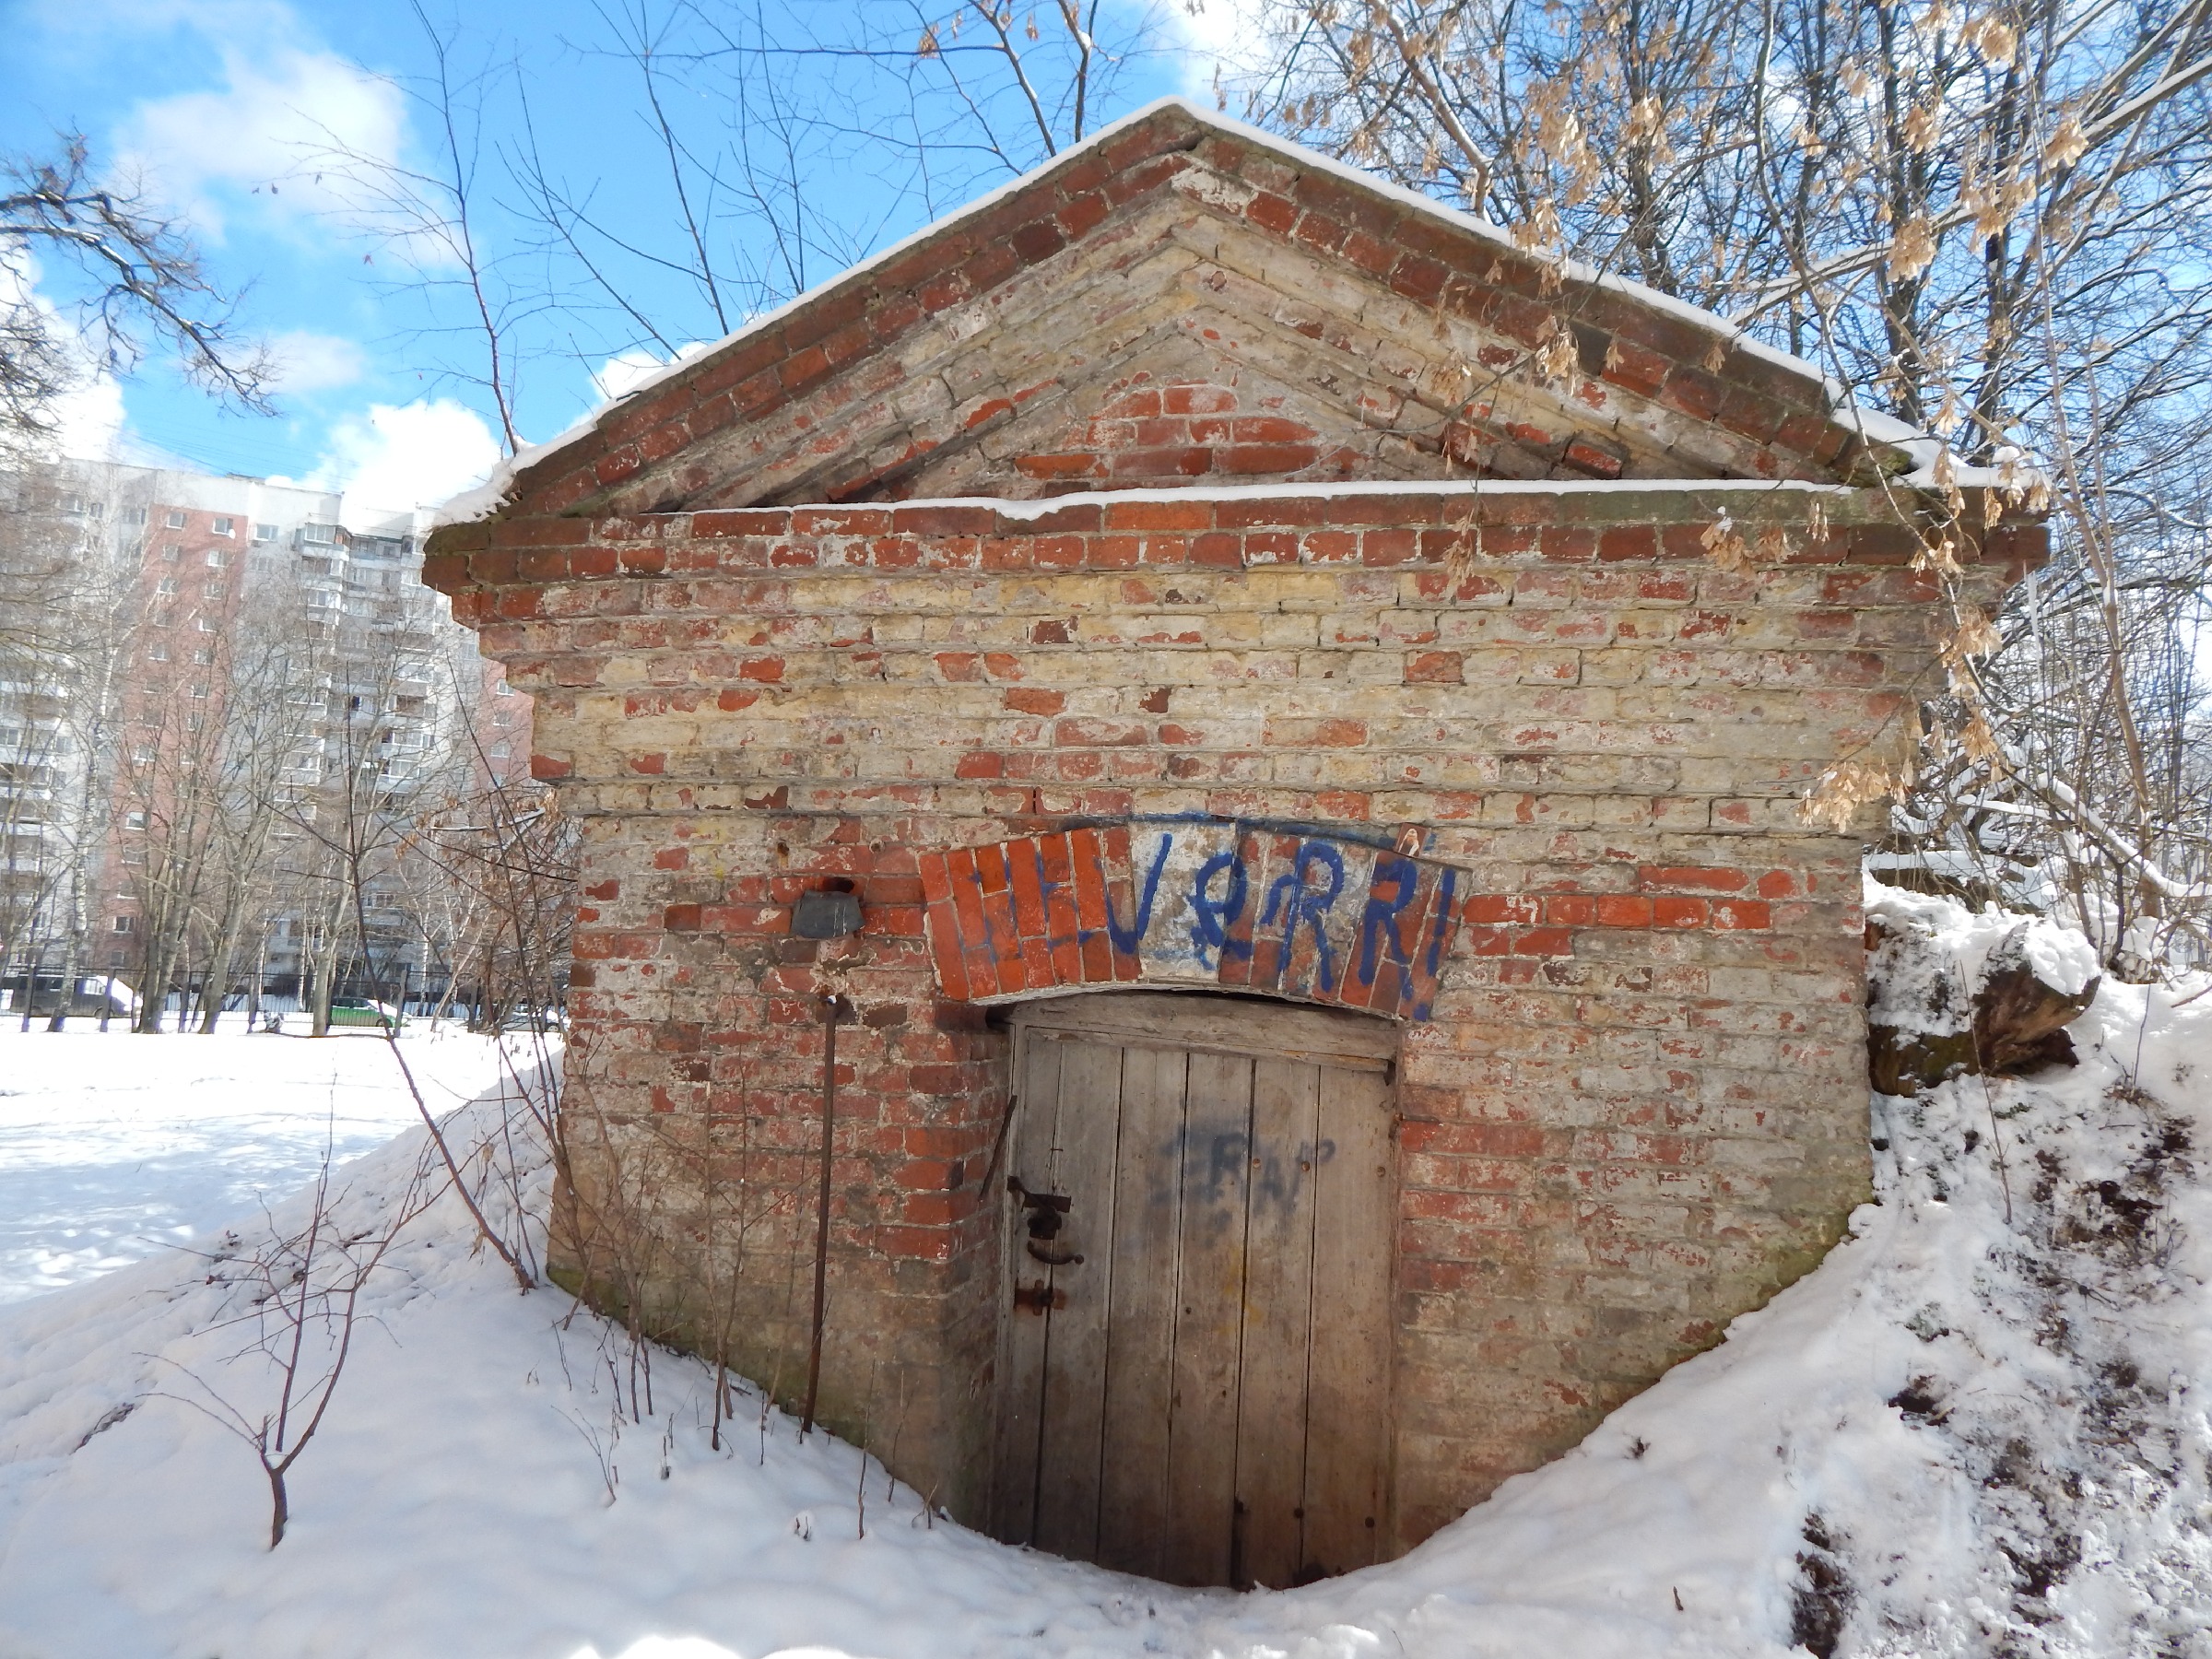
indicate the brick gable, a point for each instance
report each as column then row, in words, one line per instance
column 1179, row 249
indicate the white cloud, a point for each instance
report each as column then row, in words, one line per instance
column 403, row 455
column 287, row 130
column 89, row 420
column 88, row 414
column 307, row 361
column 625, row 373
column 1228, row 36
column 292, row 127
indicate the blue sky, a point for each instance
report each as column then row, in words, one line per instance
column 283, row 135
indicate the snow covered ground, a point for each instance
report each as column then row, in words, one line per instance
column 1979, row 1428
column 115, row 1147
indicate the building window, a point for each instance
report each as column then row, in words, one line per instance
column 162, row 617
column 135, row 820
column 218, row 557
column 500, row 751
column 126, row 925
column 223, row 526
column 203, row 656
column 264, row 533
column 142, row 756
column 173, row 551
column 502, row 689
column 175, row 521
column 157, row 652
column 199, row 688
column 134, row 515
column 203, row 625
column 216, row 590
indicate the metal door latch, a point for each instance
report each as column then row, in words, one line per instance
column 1046, row 1213
column 1039, row 1297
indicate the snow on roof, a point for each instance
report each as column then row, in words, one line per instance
column 486, row 498
column 1039, row 506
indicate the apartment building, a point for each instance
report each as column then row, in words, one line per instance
column 277, row 632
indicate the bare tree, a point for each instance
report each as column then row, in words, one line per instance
column 212, row 720
column 1983, row 220
column 430, row 219
column 131, row 276
column 301, row 1291
column 737, row 114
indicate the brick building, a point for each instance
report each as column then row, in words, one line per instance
column 1345, row 995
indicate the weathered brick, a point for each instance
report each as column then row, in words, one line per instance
column 1547, row 689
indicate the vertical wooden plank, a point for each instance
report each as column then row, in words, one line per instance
column 1202, row 1435
column 1278, row 1309
column 1349, row 1390
column 1022, row 1331
column 1140, row 1340
column 1072, row 1445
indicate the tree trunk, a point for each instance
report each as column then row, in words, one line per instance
column 326, row 971
column 211, row 1007
column 30, row 979
column 69, row 972
column 280, row 1508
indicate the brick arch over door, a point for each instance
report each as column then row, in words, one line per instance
column 1278, row 910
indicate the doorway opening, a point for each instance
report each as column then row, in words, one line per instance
column 1195, row 1350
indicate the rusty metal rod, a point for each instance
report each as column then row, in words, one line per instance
column 821, row 1225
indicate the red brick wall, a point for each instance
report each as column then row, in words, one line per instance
column 1639, row 1106
column 1181, row 430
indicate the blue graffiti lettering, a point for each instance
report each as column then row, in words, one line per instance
column 1305, row 903
column 1127, row 940
column 1379, row 922
column 1226, row 1159
column 1210, row 918
column 1447, row 889
column 1046, row 889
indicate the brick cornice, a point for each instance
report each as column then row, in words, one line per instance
column 1402, row 526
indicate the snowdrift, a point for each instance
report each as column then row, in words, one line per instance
column 1979, row 1428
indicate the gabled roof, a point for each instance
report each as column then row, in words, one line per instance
column 1299, row 321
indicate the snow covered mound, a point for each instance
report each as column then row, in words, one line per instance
column 1978, row 1429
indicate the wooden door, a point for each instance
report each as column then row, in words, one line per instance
column 1195, row 1354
